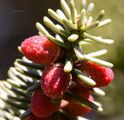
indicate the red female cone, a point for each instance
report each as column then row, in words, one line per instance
column 42, row 106
column 100, row 74
column 55, row 81
column 40, row 50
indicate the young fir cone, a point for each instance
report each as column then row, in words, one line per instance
column 75, row 108
column 55, row 81
column 32, row 117
column 100, row 74
column 40, row 50
column 42, row 106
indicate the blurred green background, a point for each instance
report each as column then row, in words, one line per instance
column 17, row 21
column 113, row 102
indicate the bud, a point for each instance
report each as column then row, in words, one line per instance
column 40, row 50
column 101, row 75
column 55, row 81
column 42, row 106
column 75, row 108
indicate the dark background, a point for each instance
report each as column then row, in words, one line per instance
column 17, row 22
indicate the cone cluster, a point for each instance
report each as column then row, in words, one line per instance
column 56, row 80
